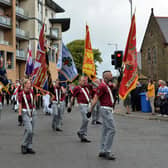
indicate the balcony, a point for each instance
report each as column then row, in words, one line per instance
column 21, row 34
column 5, row 22
column 20, row 54
column 54, row 34
column 21, row 14
column 5, row 3
column 2, row 42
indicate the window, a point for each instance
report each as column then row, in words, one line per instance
column 149, row 55
column 154, row 55
column 39, row 27
column 53, row 55
column 40, row 11
column 45, row 27
column 9, row 60
column 55, row 32
column 1, row 12
column 46, row 11
column 55, row 47
column 2, row 59
column 52, row 15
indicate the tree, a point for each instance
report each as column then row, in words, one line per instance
column 76, row 48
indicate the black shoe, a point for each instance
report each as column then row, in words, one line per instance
column 30, row 151
column 85, row 140
column 108, row 156
column 102, row 154
column 59, row 130
column 24, row 149
column 98, row 122
column 93, row 122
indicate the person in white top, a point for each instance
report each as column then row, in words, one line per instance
column 46, row 102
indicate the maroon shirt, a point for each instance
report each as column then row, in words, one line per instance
column 59, row 90
column 104, row 96
column 78, row 93
column 22, row 101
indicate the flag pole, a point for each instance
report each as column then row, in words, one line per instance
column 84, row 48
column 131, row 8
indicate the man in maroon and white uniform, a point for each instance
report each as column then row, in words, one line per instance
column 27, row 110
column 58, row 106
column 81, row 92
column 104, row 95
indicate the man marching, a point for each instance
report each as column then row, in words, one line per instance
column 26, row 109
column 58, row 106
column 104, row 95
column 81, row 92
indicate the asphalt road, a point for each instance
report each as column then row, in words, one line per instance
column 138, row 144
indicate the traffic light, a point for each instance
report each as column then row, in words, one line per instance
column 118, row 58
column 113, row 60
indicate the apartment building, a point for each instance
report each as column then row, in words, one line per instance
column 7, row 36
column 20, row 24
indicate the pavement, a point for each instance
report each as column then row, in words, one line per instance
column 121, row 110
column 138, row 143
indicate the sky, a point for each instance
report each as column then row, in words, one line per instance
column 109, row 22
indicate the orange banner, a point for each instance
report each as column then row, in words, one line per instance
column 88, row 62
column 130, row 74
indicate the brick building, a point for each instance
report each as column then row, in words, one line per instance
column 154, row 49
column 20, row 24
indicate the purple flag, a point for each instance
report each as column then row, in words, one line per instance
column 29, row 62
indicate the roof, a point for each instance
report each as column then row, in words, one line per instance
column 51, row 4
column 65, row 23
column 163, row 24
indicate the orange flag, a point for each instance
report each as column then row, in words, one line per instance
column 130, row 74
column 88, row 61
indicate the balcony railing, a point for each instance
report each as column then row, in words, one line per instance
column 5, row 20
column 21, row 12
column 6, row 2
column 20, row 54
column 21, row 33
column 4, row 42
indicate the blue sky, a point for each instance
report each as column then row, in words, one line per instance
column 109, row 22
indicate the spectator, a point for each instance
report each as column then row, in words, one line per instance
column 163, row 95
column 151, row 94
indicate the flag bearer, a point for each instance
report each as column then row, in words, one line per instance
column 81, row 92
column 27, row 110
column 104, row 94
column 58, row 106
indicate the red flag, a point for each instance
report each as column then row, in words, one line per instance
column 130, row 75
column 40, row 67
column 88, row 61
